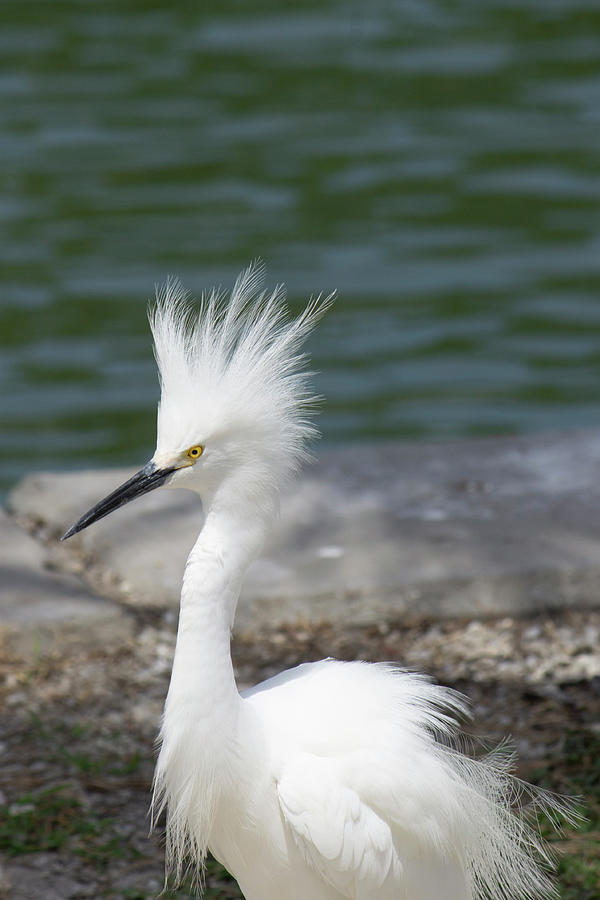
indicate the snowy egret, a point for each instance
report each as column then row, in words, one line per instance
column 333, row 779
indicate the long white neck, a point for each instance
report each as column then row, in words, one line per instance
column 200, row 737
column 202, row 679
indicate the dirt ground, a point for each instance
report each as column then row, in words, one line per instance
column 77, row 739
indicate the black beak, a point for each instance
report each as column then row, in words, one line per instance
column 145, row 480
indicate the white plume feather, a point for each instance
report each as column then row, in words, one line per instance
column 235, row 367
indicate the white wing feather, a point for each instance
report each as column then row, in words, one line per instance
column 340, row 836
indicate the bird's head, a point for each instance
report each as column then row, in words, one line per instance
column 233, row 415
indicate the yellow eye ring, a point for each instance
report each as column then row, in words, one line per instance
column 195, row 452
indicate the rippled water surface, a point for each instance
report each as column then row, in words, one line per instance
column 437, row 163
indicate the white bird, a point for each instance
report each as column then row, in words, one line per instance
column 334, row 779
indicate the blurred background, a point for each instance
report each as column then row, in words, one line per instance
column 436, row 162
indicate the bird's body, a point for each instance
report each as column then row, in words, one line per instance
column 310, row 784
column 332, row 780
column 335, row 807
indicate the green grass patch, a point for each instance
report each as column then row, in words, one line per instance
column 73, row 746
column 577, row 773
column 53, row 819
column 218, row 885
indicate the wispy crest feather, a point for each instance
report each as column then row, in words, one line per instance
column 236, row 362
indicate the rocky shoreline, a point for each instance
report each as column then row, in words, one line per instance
column 481, row 528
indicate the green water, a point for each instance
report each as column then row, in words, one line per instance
column 438, row 163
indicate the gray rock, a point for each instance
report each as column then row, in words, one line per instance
column 42, row 611
column 141, row 548
column 41, row 875
column 474, row 528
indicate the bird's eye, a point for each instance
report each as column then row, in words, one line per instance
column 195, row 452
